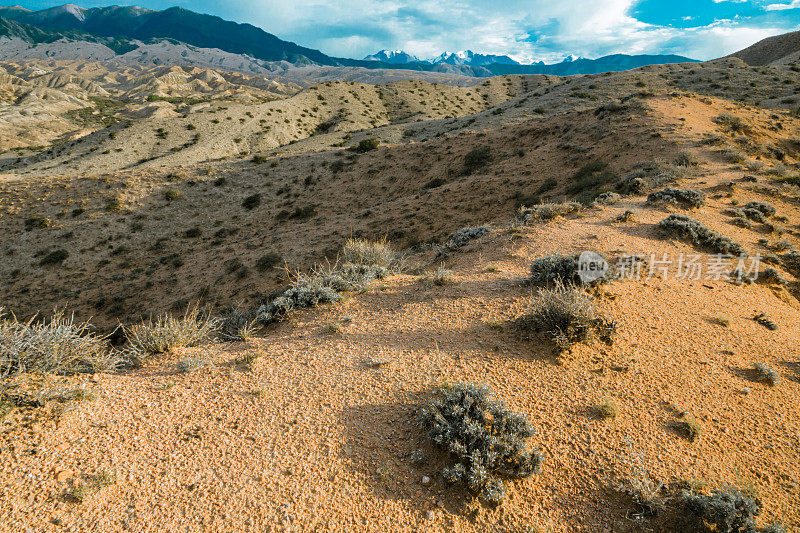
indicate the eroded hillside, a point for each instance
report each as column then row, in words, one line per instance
column 309, row 420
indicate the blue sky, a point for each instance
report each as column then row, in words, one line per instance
column 525, row 29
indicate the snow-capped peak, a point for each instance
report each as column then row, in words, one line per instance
column 392, row 56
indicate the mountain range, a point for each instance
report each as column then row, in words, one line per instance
column 464, row 57
column 125, row 29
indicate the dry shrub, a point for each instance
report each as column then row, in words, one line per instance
column 168, row 332
column 486, row 440
column 59, row 345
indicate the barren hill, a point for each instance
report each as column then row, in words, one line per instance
column 779, row 49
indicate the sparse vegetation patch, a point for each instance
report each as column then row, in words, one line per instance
column 547, row 211
column 567, row 316
column 463, row 236
column 168, row 332
column 59, row 345
column 685, row 197
column 683, row 227
column 485, row 439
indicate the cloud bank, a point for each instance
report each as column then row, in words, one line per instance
column 527, row 30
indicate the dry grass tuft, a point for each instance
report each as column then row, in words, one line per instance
column 57, row 346
column 168, row 332
column 567, row 315
column 368, row 253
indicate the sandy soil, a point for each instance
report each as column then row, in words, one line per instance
column 318, row 434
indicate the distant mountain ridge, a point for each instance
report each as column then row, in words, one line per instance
column 123, row 29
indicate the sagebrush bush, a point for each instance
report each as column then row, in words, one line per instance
column 756, row 211
column 267, row 261
column 766, row 375
column 366, row 252
column 625, row 216
column 59, row 345
column 687, row 197
column 649, row 175
column 686, row 228
column 462, row 237
column 238, row 325
column 547, row 211
column 747, row 214
column 167, row 332
column 563, row 268
column 485, row 439
column 688, row 427
column 298, row 296
column 607, row 198
column 567, row 315
column 791, row 262
column 320, row 287
column 55, row 257
column 687, row 159
column 727, row 510
column 252, row 201
column 762, row 207
column 364, row 261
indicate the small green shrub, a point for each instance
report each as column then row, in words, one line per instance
column 172, row 194
column 590, row 180
column 606, row 409
column 366, row 145
column 435, row 182
column 485, row 439
column 732, row 123
column 55, row 257
column 267, row 261
column 114, row 205
column 547, row 185
column 252, row 201
column 476, row 159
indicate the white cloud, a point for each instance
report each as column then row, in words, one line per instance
column 588, row 28
column 795, row 4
